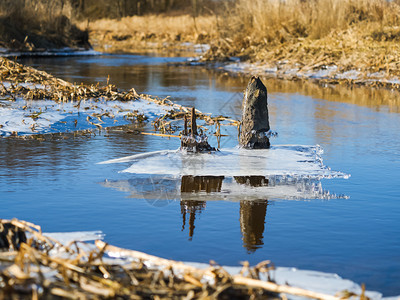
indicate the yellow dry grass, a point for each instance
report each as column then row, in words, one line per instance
column 183, row 25
column 309, row 34
column 279, row 21
column 131, row 34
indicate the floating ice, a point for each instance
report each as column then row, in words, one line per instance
column 235, row 174
column 158, row 187
column 46, row 116
column 293, row 161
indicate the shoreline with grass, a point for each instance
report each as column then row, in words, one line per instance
column 337, row 42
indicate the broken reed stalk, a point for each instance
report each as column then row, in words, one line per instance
column 237, row 279
column 160, row 134
column 193, row 125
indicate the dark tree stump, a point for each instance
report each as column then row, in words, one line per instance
column 255, row 119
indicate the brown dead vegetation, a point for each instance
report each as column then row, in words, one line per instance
column 35, row 266
column 353, row 35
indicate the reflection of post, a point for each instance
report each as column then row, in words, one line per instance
column 191, row 207
column 195, row 184
column 252, row 214
column 253, row 181
column 252, row 220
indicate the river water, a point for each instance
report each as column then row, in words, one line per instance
column 57, row 183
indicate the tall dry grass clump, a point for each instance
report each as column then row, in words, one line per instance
column 29, row 24
column 268, row 23
column 277, row 20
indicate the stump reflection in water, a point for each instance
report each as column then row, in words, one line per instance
column 252, row 220
column 252, row 213
column 196, row 184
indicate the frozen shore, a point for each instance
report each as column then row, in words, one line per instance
column 314, row 281
column 326, row 74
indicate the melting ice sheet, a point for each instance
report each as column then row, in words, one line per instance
column 281, row 172
column 292, row 161
column 46, row 116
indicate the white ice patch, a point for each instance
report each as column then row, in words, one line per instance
column 324, row 72
column 352, row 74
column 46, row 116
column 293, row 161
column 198, row 48
column 66, row 238
column 29, row 85
column 54, row 52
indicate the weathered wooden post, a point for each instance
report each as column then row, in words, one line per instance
column 255, row 119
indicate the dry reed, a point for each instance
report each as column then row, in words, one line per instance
column 357, row 35
column 278, row 21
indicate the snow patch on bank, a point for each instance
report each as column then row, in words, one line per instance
column 49, row 52
column 66, row 238
column 321, row 72
column 27, row 117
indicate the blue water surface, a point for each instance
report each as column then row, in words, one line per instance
column 57, row 183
